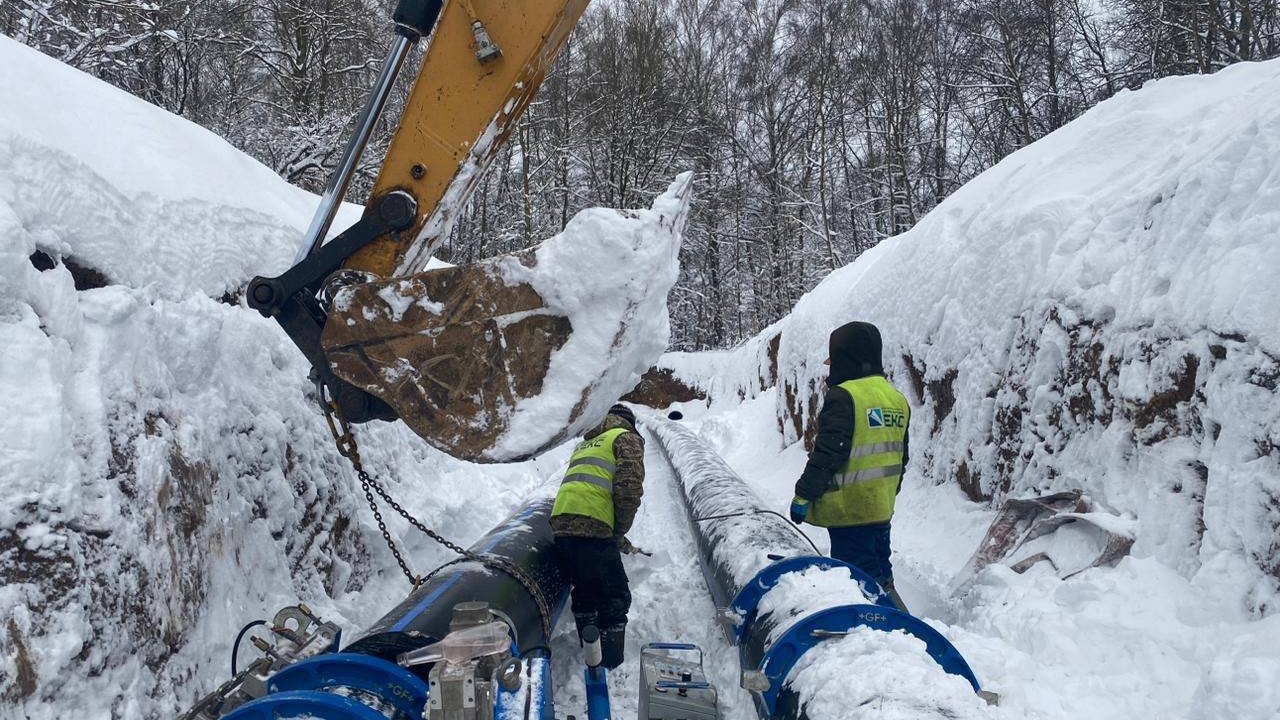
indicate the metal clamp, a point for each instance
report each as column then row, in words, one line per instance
column 299, row 635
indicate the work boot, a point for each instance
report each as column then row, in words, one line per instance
column 612, row 642
column 892, row 592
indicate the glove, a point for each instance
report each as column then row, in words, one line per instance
column 626, row 548
column 799, row 509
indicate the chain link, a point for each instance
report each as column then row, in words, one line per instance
column 346, row 442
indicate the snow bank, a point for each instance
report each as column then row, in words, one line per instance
column 168, row 478
column 144, row 482
column 135, row 192
column 1097, row 313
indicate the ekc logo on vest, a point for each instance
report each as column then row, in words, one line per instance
column 879, row 418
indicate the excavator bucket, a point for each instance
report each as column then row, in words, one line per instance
column 452, row 350
column 505, row 358
column 500, row 360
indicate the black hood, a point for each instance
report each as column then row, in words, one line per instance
column 854, row 352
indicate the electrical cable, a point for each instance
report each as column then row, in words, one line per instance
column 816, row 551
column 235, row 647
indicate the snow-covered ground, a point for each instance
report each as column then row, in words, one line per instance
column 1096, row 313
column 166, row 474
column 1137, row 640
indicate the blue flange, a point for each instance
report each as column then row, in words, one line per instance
column 308, row 704
column 799, row 638
column 748, row 599
column 310, row 680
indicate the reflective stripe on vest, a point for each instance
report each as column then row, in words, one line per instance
column 864, row 490
column 575, row 473
column 587, row 487
column 876, row 449
column 843, row 479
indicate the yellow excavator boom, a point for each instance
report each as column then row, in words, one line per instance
column 459, row 114
column 452, row 352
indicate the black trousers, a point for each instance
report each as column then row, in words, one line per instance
column 865, row 547
column 593, row 566
column 600, row 594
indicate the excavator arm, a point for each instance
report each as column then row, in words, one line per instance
column 447, row 372
column 484, row 64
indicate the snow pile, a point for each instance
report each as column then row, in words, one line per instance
column 1097, row 313
column 882, row 676
column 618, row 312
column 134, row 192
column 729, row 376
column 798, row 595
column 168, row 478
column 153, row 454
column 167, row 473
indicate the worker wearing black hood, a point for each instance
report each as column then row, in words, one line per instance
column 860, row 452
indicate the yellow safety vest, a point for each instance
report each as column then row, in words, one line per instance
column 863, row 491
column 587, row 488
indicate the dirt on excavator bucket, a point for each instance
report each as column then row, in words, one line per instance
column 506, row 358
column 451, row 350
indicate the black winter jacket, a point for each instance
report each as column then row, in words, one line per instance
column 855, row 351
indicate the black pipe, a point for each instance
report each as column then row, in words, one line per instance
column 745, row 549
column 524, row 539
column 737, row 534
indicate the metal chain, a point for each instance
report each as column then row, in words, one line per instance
column 366, row 485
column 346, row 442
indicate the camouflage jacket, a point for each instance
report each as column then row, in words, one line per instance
column 628, row 486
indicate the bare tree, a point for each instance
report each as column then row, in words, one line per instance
column 815, row 128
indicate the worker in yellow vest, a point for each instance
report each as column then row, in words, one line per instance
column 593, row 512
column 855, row 469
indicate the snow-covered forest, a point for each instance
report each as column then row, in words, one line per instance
column 816, row 128
column 1062, row 215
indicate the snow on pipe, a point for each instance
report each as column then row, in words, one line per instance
column 323, row 686
column 747, row 550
